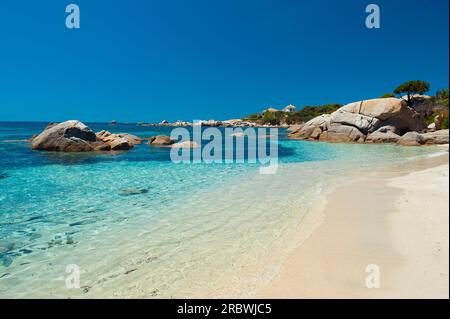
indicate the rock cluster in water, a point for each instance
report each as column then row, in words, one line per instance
column 74, row 136
column 160, row 140
column 211, row 123
column 118, row 142
column 166, row 141
column 387, row 120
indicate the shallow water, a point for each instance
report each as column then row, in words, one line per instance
column 190, row 229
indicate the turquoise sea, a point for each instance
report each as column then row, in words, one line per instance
column 185, row 230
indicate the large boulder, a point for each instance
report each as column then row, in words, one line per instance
column 294, row 128
column 431, row 138
column 382, row 137
column 356, row 121
column 342, row 133
column 411, row 139
column 388, row 129
column 364, row 123
column 389, row 111
column 120, row 144
column 69, row 136
column 423, row 104
column 382, row 109
column 437, row 137
column 306, row 131
column 135, row 140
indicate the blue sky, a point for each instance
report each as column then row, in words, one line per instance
column 200, row 59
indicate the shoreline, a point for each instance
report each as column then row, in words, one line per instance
column 390, row 218
column 170, row 259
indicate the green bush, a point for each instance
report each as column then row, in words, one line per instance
column 273, row 118
column 309, row 112
column 445, row 123
column 253, row 117
column 304, row 115
column 429, row 119
column 442, row 97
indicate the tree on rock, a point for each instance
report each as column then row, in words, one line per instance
column 412, row 87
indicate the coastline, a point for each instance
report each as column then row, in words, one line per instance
column 391, row 218
column 181, row 244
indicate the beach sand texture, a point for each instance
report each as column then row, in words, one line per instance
column 396, row 219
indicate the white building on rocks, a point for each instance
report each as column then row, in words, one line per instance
column 290, row 108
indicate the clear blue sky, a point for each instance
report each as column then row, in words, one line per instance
column 150, row 60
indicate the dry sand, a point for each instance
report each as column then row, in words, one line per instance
column 396, row 219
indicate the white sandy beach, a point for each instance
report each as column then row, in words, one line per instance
column 396, row 219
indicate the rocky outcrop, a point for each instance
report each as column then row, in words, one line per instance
column 118, row 142
column 70, row 136
column 431, row 138
column 423, row 104
column 438, row 137
column 341, row 133
column 294, row 128
column 74, row 136
column 165, row 141
column 356, row 122
column 363, row 123
column 379, row 137
column 411, row 139
column 160, row 140
column 312, row 129
column 213, row 123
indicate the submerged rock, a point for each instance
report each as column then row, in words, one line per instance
column 6, row 246
column 3, row 176
column 185, row 144
column 6, row 260
column 133, row 191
